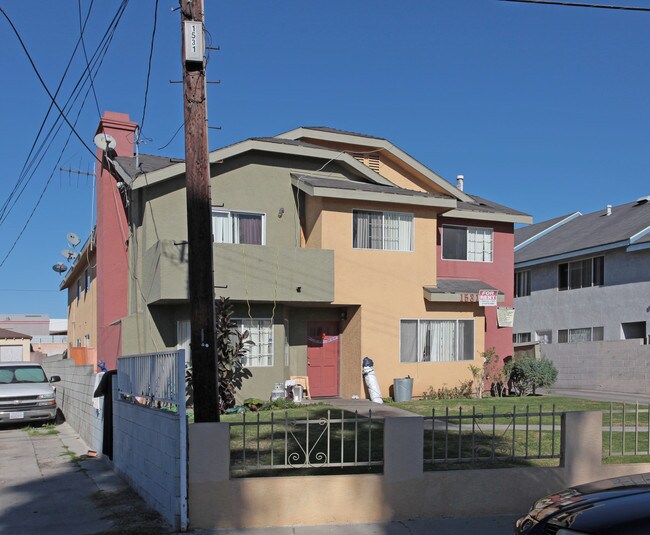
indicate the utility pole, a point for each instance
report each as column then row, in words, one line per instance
column 199, row 215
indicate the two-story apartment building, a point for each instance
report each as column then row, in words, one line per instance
column 80, row 284
column 333, row 246
column 582, row 278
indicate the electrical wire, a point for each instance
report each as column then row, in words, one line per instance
column 173, row 137
column 146, row 91
column 578, row 4
column 83, row 46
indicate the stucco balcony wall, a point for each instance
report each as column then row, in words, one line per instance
column 255, row 272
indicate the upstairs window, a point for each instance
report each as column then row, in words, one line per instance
column 522, row 283
column 521, row 338
column 583, row 334
column 581, row 273
column 473, row 244
column 388, row 231
column 238, row 227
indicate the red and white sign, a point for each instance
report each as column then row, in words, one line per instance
column 488, row 298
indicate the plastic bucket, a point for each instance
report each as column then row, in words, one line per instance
column 403, row 389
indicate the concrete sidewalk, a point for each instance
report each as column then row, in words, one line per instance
column 48, row 484
column 489, row 525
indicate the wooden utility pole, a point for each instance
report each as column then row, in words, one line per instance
column 199, row 215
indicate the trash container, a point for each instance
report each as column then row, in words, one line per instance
column 403, row 389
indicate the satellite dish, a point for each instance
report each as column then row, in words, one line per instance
column 60, row 268
column 73, row 239
column 104, row 141
column 69, row 254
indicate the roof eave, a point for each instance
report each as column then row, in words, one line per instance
column 490, row 216
column 382, row 144
column 571, row 254
column 381, row 197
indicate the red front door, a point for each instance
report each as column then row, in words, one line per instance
column 323, row 358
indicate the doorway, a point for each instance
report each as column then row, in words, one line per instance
column 323, row 345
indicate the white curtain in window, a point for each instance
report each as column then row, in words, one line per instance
column 409, row 341
column 376, row 230
column 479, row 245
column 444, row 341
column 361, row 238
column 221, row 227
column 398, row 231
column 580, row 335
column 425, row 341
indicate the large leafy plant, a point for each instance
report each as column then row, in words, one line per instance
column 231, row 348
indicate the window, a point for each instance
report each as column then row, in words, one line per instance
column 260, row 330
column 473, row 244
column 544, row 337
column 581, row 274
column 521, row 338
column 79, row 289
column 522, row 283
column 583, row 334
column 388, row 231
column 436, row 340
column 87, row 277
column 238, row 227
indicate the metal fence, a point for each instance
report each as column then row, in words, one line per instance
column 462, row 437
column 626, row 431
column 319, row 440
column 153, row 379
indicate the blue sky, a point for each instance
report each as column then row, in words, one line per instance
column 544, row 109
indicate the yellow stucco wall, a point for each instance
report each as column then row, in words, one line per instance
column 82, row 311
column 388, row 286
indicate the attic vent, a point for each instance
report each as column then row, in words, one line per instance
column 372, row 161
column 643, row 200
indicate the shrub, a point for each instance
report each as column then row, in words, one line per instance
column 529, row 374
column 492, row 370
column 462, row 391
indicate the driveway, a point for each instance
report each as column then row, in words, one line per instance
column 48, row 484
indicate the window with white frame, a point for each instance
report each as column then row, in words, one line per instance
column 389, row 231
column 436, row 340
column 544, row 337
column 583, row 334
column 474, row 244
column 238, row 227
column 260, row 353
column 522, row 283
column 521, row 338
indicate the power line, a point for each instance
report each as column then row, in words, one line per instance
column 146, row 91
column 577, row 4
column 83, row 46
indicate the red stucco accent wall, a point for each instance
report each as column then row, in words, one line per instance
column 499, row 274
column 112, row 247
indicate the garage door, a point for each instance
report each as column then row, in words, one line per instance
column 8, row 353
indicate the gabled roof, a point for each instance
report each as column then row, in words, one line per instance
column 341, row 136
column 531, row 232
column 627, row 226
column 164, row 169
column 13, row 335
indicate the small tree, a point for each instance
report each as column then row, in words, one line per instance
column 528, row 374
column 492, row 370
column 231, row 348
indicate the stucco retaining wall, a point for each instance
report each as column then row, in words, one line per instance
column 74, row 396
column 403, row 491
column 147, row 455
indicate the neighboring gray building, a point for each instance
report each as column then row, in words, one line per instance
column 582, row 278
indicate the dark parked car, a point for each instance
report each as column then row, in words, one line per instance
column 617, row 506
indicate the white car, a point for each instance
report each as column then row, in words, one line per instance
column 26, row 395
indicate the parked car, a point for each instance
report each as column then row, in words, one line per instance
column 26, row 395
column 617, row 506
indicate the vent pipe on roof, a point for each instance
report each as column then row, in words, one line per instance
column 609, row 210
column 460, row 181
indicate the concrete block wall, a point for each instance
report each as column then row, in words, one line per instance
column 74, row 396
column 610, row 366
column 147, row 453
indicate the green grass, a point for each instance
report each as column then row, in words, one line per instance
column 45, row 429
column 254, row 446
